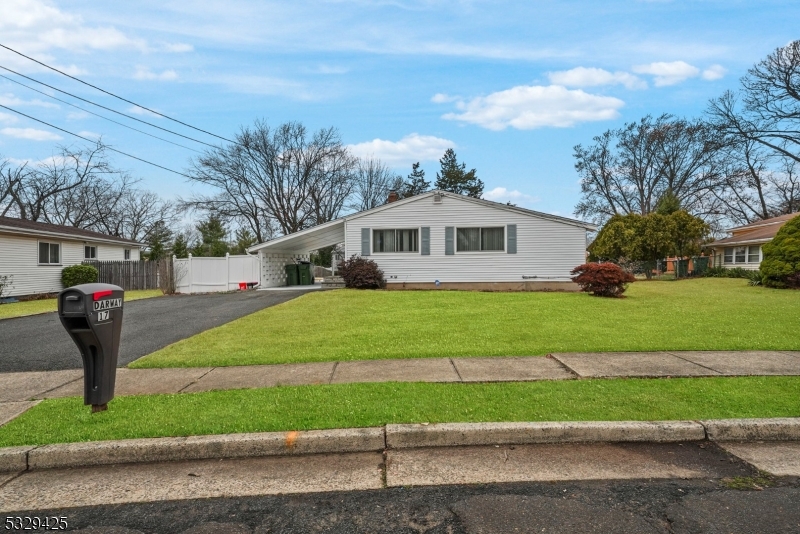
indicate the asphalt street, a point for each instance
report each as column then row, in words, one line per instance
column 637, row 507
column 40, row 343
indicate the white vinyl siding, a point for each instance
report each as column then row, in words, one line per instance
column 545, row 248
column 19, row 258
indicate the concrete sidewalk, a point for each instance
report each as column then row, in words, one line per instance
column 18, row 390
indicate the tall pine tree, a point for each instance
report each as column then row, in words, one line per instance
column 454, row 177
column 415, row 184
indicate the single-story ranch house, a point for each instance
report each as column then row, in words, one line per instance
column 743, row 247
column 444, row 240
column 34, row 253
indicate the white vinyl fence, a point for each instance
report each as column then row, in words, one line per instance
column 211, row 275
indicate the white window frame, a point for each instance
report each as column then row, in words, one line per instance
column 90, row 247
column 746, row 255
column 50, row 244
column 455, row 240
column 126, row 254
column 395, row 229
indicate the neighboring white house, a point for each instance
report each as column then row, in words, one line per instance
column 743, row 247
column 459, row 241
column 34, row 253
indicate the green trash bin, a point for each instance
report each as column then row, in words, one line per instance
column 700, row 265
column 682, row 268
column 292, row 275
column 306, row 276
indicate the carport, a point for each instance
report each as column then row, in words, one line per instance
column 278, row 253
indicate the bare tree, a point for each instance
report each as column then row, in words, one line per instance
column 769, row 113
column 29, row 191
column 628, row 170
column 373, row 182
column 280, row 179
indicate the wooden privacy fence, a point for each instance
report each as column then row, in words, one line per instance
column 130, row 275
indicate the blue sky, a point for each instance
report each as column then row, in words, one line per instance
column 512, row 86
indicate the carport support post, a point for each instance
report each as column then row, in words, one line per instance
column 227, row 271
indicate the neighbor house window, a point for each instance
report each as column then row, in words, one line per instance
column 480, row 239
column 89, row 253
column 728, row 254
column 127, row 253
column 49, row 253
column 753, row 254
column 740, row 254
column 398, row 240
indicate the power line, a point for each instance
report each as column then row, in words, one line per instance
column 94, row 141
column 112, row 94
column 106, row 108
column 98, row 115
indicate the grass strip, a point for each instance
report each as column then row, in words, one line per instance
column 365, row 405
column 34, row 307
column 698, row 314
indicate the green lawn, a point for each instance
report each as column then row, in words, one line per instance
column 699, row 314
column 33, row 307
column 362, row 405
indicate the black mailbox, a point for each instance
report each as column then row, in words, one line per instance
column 92, row 315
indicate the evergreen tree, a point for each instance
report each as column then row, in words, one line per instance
column 668, row 203
column 180, row 247
column 415, row 184
column 158, row 241
column 212, row 232
column 244, row 240
column 453, row 177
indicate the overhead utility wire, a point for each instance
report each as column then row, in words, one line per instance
column 94, row 141
column 106, row 108
column 98, row 115
column 112, row 94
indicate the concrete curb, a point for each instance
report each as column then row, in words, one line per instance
column 777, row 429
column 225, row 446
column 462, row 434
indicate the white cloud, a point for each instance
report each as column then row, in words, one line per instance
column 136, row 110
column 36, row 26
column 668, row 73
column 9, row 99
column 409, row 149
column 330, row 69
column 8, row 118
column 591, row 77
column 526, row 107
column 178, row 48
column 501, row 194
column 714, row 72
column 442, row 98
column 32, row 134
column 90, row 135
column 143, row 73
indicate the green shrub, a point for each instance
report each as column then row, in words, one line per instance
column 602, row 279
column 78, row 274
column 781, row 263
column 361, row 273
column 734, row 272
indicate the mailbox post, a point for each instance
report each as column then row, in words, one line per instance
column 92, row 315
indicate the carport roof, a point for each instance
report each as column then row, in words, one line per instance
column 323, row 235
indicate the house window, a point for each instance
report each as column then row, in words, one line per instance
column 49, row 253
column 728, row 254
column 89, row 253
column 127, row 253
column 480, row 239
column 740, row 253
column 754, row 254
column 398, row 240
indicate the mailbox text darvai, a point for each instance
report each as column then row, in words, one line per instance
column 107, row 304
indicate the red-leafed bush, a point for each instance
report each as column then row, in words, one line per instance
column 361, row 273
column 602, row 279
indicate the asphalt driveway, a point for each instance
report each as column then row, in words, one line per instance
column 40, row 343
